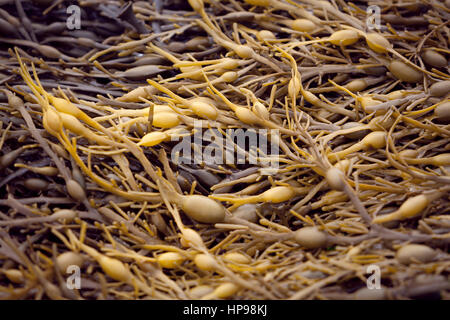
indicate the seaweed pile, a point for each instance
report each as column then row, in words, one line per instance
column 93, row 184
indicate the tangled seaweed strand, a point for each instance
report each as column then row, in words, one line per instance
column 89, row 119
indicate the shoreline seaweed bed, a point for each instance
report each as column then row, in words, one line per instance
column 360, row 116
